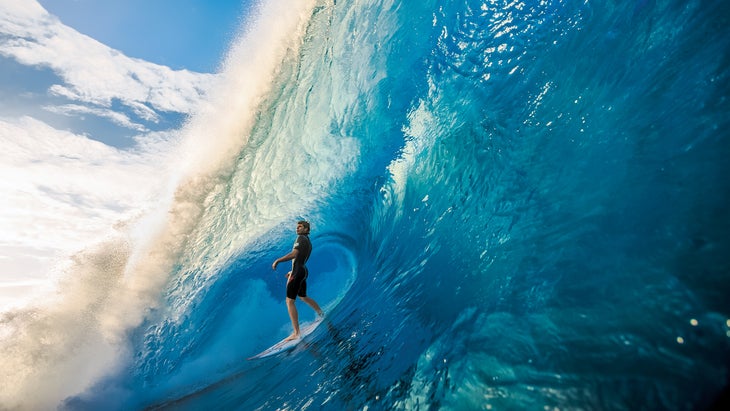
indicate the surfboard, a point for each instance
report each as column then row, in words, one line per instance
column 284, row 345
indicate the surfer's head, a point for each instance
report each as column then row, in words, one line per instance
column 302, row 227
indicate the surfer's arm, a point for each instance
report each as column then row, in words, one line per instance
column 292, row 255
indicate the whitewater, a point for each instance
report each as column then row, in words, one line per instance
column 514, row 205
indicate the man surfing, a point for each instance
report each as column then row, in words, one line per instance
column 296, row 284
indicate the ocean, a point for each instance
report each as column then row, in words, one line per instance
column 515, row 205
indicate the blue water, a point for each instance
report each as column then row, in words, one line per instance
column 514, row 206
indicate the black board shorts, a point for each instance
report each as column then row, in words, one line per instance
column 297, row 285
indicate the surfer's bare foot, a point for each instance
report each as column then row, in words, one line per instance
column 292, row 337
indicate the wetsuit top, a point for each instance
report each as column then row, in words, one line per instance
column 305, row 248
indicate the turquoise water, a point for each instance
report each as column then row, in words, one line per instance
column 514, row 206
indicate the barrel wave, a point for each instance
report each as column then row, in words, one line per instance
column 514, row 206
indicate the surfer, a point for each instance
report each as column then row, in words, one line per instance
column 296, row 284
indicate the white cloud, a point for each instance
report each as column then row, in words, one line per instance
column 115, row 117
column 62, row 191
column 94, row 73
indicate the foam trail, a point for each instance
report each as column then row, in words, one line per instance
column 109, row 289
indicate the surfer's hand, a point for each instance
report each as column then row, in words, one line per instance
column 273, row 266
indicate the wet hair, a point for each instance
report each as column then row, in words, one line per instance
column 305, row 224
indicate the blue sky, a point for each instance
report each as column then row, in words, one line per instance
column 112, row 70
column 191, row 34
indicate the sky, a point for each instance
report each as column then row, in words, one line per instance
column 93, row 94
column 189, row 34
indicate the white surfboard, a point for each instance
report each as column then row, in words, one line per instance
column 283, row 345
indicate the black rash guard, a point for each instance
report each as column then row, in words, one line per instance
column 305, row 249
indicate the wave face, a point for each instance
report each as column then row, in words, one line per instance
column 514, row 205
